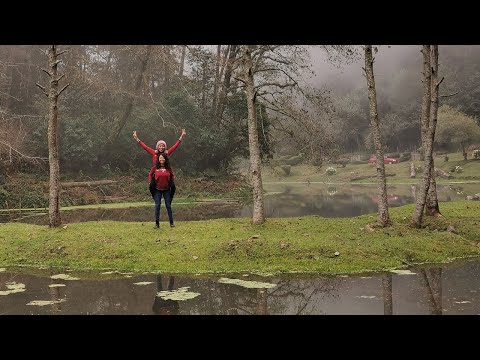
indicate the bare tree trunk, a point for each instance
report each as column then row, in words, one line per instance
column 53, row 153
column 383, row 216
column 128, row 110
column 255, row 160
column 222, row 99
column 428, row 191
column 204, row 89
column 413, row 172
column 464, row 153
column 425, row 121
column 217, row 79
column 182, row 61
column 431, row 205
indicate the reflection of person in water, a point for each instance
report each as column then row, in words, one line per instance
column 161, row 306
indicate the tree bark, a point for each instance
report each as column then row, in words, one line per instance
column 217, row 79
column 431, row 205
column 425, row 120
column 383, row 216
column 255, row 160
column 222, row 99
column 413, row 172
column 182, row 61
column 53, row 153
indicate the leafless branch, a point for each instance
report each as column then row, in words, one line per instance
column 61, row 52
column 438, row 84
column 61, row 77
column 31, row 158
column 48, row 73
column 243, row 81
column 442, row 96
column 63, row 88
column 43, row 89
column 282, row 86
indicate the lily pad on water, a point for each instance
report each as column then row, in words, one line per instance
column 367, row 296
column 63, row 277
column 13, row 287
column 403, row 272
column 143, row 283
column 56, row 285
column 247, row 284
column 260, row 273
column 179, row 294
column 45, row 302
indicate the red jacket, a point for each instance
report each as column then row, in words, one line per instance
column 162, row 179
column 154, row 155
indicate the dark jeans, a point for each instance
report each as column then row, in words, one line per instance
column 172, row 190
column 158, row 201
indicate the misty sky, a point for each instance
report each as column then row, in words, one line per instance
column 349, row 77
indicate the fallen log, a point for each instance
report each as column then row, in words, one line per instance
column 86, row 183
column 362, row 177
column 442, row 174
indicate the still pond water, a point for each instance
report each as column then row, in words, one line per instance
column 433, row 290
column 281, row 200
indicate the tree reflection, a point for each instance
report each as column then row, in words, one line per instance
column 387, row 294
column 302, row 297
column 431, row 280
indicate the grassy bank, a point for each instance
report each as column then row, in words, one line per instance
column 400, row 172
column 306, row 244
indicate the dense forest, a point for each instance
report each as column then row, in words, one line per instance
column 158, row 90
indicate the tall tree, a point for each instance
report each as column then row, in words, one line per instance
column 53, row 158
column 258, row 216
column 383, row 216
column 120, row 123
column 428, row 126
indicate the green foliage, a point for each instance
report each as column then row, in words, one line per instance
column 331, row 171
column 455, row 128
column 405, row 156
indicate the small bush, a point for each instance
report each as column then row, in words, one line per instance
column 331, row 171
column 406, row 156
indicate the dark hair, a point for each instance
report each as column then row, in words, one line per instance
column 167, row 162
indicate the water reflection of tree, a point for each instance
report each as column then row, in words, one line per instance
column 387, row 294
column 55, row 295
column 431, row 280
column 161, row 306
column 302, row 295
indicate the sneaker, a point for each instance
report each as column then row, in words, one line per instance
column 157, row 226
column 172, row 225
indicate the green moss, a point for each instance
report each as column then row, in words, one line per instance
column 289, row 245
